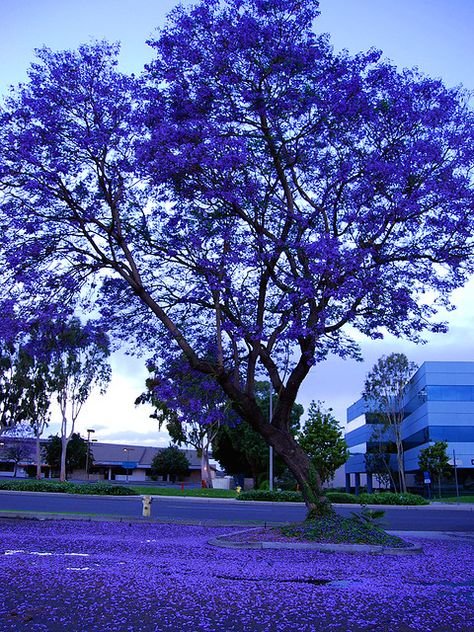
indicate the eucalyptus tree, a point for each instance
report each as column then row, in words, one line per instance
column 78, row 362
column 385, row 391
column 252, row 185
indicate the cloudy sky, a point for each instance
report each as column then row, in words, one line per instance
column 434, row 35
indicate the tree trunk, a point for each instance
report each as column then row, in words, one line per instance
column 62, row 473
column 300, row 466
column 277, row 434
column 205, row 469
column 400, row 461
column 38, row 456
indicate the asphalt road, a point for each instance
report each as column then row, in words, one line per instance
column 223, row 511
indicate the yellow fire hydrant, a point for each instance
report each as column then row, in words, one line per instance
column 146, row 500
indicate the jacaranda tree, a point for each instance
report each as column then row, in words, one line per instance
column 253, row 185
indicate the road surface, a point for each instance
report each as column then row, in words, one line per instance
column 225, row 511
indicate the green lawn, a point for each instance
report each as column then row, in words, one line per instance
column 454, row 499
column 167, row 491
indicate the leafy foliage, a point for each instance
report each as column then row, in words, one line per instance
column 435, row 460
column 75, row 454
column 191, row 404
column 24, row 394
column 77, row 359
column 388, row 498
column 342, row 497
column 271, row 496
column 323, row 441
column 336, row 529
column 240, row 450
column 170, row 462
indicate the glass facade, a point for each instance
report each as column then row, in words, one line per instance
column 460, row 393
column 439, row 406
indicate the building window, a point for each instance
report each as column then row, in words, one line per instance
column 459, row 393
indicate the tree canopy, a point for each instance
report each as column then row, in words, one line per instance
column 170, row 461
column 252, row 185
column 24, row 377
column 77, row 358
column 76, row 453
column 435, row 460
column 322, row 439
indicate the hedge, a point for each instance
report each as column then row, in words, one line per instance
column 101, row 489
column 275, row 496
column 389, row 498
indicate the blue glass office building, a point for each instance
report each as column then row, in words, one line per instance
column 439, row 406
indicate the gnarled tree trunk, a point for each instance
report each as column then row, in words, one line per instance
column 277, row 434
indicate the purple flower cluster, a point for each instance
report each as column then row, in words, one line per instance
column 78, row 575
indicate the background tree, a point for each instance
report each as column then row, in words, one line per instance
column 378, row 464
column 76, row 453
column 25, row 394
column 17, row 452
column 434, row 459
column 253, row 186
column 190, row 404
column 242, row 452
column 378, row 457
column 20, row 388
column 385, row 390
column 78, row 362
column 170, row 462
column 322, row 439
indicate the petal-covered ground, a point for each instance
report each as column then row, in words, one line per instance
column 111, row 576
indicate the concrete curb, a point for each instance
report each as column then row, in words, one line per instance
column 224, row 542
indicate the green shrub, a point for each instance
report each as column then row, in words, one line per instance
column 262, row 494
column 265, row 485
column 337, row 529
column 103, row 489
column 106, row 489
column 35, row 486
column 342, row 497
column 389, row 498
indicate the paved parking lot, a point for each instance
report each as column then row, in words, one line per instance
column 120, row 576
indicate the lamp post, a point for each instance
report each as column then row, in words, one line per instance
column 89, row 432
column 127, row 451
column 270, row 473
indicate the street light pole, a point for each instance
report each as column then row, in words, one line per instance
column 89, row 432
column 127, row 450
column 270, row 474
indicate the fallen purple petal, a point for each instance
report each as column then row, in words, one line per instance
column 145, row 577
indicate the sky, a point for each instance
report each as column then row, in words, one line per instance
column 434, row 35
